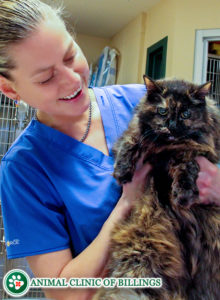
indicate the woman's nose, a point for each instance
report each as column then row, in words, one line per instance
column 68, row 76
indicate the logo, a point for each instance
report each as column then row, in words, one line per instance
column 16, row 283
column 13, row 243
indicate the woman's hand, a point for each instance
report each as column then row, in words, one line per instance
column 133, row 190
column 208, row 182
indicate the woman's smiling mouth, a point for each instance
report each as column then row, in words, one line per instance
column 73, row 96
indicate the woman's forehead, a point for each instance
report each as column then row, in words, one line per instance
column 48, row 42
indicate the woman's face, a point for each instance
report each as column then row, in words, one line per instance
column 50, row 68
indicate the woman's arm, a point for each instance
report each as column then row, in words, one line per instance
column 208, row 182
column 90, row 262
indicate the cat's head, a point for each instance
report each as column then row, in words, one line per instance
column 175, row 110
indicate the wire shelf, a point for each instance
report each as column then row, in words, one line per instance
column 213, row 75
column 12, row 122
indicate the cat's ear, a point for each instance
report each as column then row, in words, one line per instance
column 202, row 91
column 151, row 85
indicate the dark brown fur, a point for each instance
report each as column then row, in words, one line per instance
column 168, row 233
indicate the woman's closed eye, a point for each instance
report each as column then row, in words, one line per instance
column 47, row 80
column 68, row 60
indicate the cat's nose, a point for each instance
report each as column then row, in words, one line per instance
column 172, row 125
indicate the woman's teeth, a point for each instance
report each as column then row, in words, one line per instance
column 73, row 95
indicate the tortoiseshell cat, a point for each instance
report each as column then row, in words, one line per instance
column 168, row 233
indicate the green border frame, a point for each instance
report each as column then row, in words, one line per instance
column 162, row 43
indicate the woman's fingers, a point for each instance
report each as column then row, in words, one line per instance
column 208, row 181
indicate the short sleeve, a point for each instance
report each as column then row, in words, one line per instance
column 129, row 95
column 34, row 219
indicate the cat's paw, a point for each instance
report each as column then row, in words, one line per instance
column 122, row 177
column 185, row 198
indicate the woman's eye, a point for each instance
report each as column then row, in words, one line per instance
column 186, row 114
column 162, row 111
column 47, row 80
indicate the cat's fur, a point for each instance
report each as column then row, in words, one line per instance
column 168, row 233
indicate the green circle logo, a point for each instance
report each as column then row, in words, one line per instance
column 16, row 283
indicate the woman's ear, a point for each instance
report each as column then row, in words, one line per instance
column 7, row 89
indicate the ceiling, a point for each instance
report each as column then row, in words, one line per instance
column 103, row 18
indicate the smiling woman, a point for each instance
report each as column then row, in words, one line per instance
column 56, row 179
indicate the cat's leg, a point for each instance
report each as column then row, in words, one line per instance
column 184, row 193
column 127, row 153
column 184, row 190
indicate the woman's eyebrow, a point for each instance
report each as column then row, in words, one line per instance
column 41, row 70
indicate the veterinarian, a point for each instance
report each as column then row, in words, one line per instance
column 59, row 199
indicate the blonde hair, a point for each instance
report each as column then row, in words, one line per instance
column 18, row 20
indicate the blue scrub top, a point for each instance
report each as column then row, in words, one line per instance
column 57, row 192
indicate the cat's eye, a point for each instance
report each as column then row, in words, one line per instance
column 186, row 114
column 162, row 111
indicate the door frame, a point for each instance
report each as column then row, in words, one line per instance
column 202, row 38
column 153, row 48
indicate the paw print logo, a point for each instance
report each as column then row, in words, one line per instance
column 16, row 283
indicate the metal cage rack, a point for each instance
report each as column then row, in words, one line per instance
column 213, row 75
column 13, row 119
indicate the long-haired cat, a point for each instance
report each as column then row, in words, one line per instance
column 168, row 233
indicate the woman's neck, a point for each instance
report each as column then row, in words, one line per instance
column 74, row 126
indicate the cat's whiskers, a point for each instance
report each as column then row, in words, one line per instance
column 145, row 135
column 152, row 141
